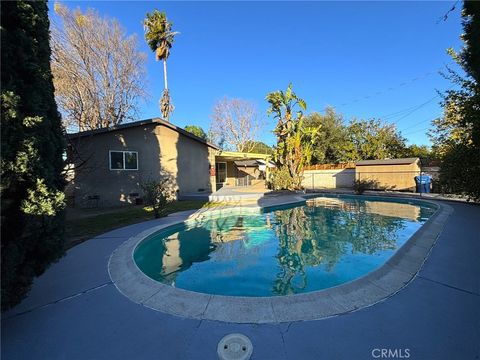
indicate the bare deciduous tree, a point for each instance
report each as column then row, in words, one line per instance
column 235, row 124
column 98, row 70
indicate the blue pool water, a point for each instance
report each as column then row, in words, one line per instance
column 287, row 250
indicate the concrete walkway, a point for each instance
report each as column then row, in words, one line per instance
column 75, row 312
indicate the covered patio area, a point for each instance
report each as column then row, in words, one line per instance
column 242, row 170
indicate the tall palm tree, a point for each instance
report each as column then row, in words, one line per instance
column 159, row 36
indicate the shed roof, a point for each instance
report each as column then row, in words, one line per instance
column 404, row 161
column 154, row 121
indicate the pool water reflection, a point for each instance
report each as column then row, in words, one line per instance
column 288, row 250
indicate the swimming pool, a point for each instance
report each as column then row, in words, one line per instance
column 294, row 249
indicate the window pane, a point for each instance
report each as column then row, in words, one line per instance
column 221, row 173
column 116, row 160
column 131, row 160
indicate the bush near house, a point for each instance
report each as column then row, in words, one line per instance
column 158, row 194
column 280, row 179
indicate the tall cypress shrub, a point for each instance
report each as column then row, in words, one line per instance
column 32, row 145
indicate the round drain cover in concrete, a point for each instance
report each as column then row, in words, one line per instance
column 235, row 347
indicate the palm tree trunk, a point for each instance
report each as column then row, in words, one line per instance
column 165, row 73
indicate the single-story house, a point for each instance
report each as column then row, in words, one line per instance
column 389, row 174
column 110, row 164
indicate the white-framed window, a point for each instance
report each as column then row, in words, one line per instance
column 123, row 160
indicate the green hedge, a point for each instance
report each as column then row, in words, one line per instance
column 32, row 144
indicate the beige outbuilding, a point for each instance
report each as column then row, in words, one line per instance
column 389, row 174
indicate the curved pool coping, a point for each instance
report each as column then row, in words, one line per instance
column 376, row 286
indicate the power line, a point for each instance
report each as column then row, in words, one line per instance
column 445, row 16
column 404, row 83
column 418, row 123
column 417, row 108
column 416, row 131
column 412, row 109
column 397, row 113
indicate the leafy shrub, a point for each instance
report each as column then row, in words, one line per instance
column 158, row 193
column 361, row 185
column 280, row 179
column 460, row 171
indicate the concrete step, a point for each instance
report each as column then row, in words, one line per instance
column 235, row 197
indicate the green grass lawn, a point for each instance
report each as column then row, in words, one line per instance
column 83, row 224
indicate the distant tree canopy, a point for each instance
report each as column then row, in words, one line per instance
column 331, row 142
column 337, row 142
column 421, row 151
column 456, row 135
column 374, row 139
column 32, row 143
column 196, row 130
column 99, row 72
column 260, row 147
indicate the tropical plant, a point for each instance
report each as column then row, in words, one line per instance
column 159, row 36
column 32, row 144
column 294, row 139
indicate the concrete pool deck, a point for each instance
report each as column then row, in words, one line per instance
column 74, row 311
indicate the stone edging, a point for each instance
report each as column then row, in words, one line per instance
column 374, row 287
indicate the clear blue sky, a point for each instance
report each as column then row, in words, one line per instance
column 366, row 59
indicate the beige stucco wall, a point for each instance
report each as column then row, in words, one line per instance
column 392, row 177
column 160, row 149
column 328, row 179
column 185, row 159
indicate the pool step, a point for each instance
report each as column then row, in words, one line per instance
column 234, row 197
